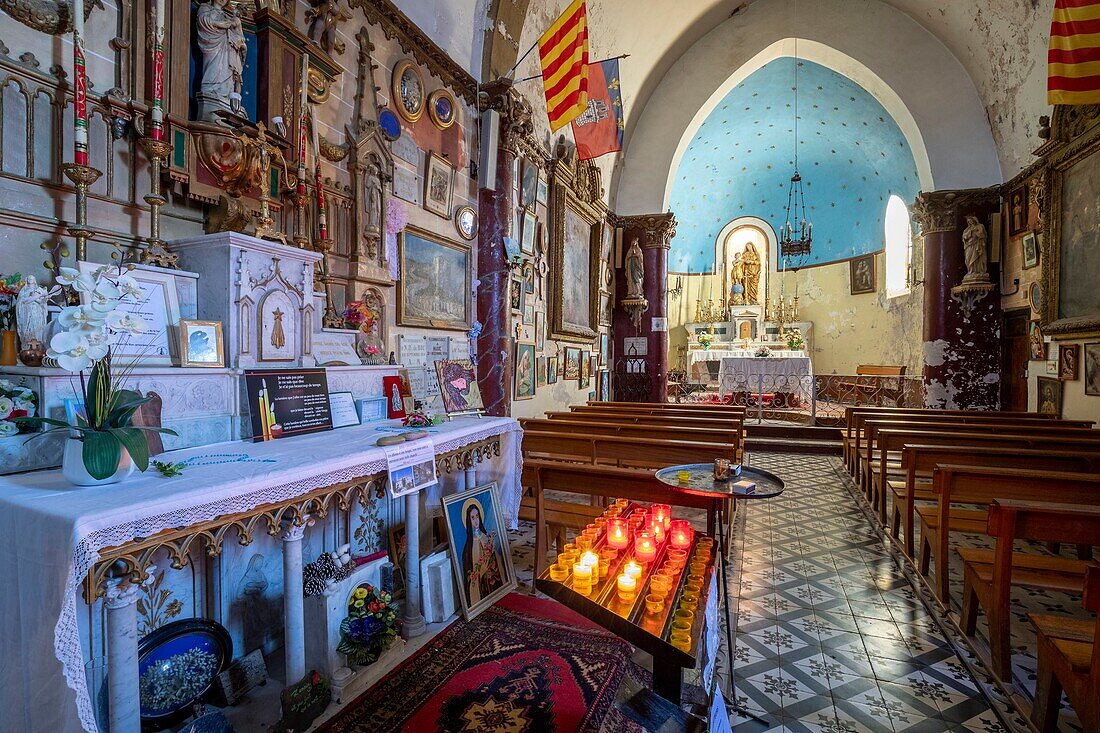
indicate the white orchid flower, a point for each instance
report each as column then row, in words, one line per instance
column 74, row 352
column 128, row 286
column 126, row 323
column 105, row 297
column 7, row 428
column 81, row 318
column 6, row 406
column 81, row 282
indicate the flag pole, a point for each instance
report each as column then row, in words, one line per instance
column 539, row 76
column 520, row 61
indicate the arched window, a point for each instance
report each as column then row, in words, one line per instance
column 899, row 247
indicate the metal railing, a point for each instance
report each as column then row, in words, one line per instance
column 809, row 400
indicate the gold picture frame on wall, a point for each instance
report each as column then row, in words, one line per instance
column 1071, row 224
column 407, row 88
column 577, row 212
column 434, row 289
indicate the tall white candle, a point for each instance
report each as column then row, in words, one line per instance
column 80, row 86
column 157, row 112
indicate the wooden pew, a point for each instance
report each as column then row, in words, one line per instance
column 988, row 575
column 977, row 485
column 675, row 406
column 918, row 462
column 669, row 425
column 876, row 462
column 609, row 482
column 1069, row 660
column 734, row 414
column 729, row 434
column 871, row 376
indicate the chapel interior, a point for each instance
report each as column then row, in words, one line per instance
column 531, row 366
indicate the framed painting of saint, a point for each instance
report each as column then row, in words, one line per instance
column 574, row 266
column 480, row 553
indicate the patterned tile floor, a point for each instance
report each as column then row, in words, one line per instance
column 831, row 635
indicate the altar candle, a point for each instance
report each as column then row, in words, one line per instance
column 662, row 512
column 628, row 586
column 680, row 537
column 322, row 215
column 617, row 536
column 80, row 88
column 633, row 569
column 157, row 113
column 303, row 101
column 645, row 548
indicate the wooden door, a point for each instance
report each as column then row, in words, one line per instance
column 1014, row 359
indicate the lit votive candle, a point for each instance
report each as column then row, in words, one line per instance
column 632, row 569
column 681, row 532
column 628, row 586
column 662, row 512
column 657, row 529
column 582, row 574
column 592, row 560
column 558, row 572
column 617, row 536
column 645, row 548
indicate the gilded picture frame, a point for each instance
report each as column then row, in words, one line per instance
column 574, row 260
column 424, row 299
column 201, row 343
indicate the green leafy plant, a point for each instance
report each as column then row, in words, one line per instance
column 169, row 469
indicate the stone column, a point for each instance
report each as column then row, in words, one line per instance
column 961, row 351
column 413, row 621
column 294, row 627
column 654, row 233
column 495, row 213
column 122, row 656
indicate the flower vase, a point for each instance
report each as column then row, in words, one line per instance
column 73, row 469
column 8, row 348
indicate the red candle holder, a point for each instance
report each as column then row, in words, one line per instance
column 681, row 534
column 662, row 512
column 618, row 536
column 645, row 547
column 657, row 529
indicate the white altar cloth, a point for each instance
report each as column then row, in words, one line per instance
column 698, row 355
column 51, row 533
column 767, row 374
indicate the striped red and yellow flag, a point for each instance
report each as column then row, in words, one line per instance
column 1073, row 59
column 563, row 50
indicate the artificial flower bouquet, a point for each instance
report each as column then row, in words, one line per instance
column 370, row 626
column 358, row 316
column 10, row 285
column 16, row 403
column 705, row 340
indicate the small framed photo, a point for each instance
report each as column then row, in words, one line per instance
column 342, row 407
column 1050, row 396
column 1035, row 341
column 572, row 363
column 530, row 227
column 515, row 295
column 1035, row 297
column 605, row 349
column 371, row 408
column 593, row 363
column 1030, row 244
column 584, row 379
column 543, row 194
column 1092, row 368
column 861, row 272
column 552, row 370
column 605, row 386
column 480, row 553
column 528, row 272
column 529, row 314
column 1017, row 211
column 1069, row 362
column 540, row 330
column 540, row 372
column 201, row 343
column 439, row 185
column 530, row 183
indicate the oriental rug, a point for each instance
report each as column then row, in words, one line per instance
column 525, row 665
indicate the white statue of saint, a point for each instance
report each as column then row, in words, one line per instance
column 30, row 312
column 221, row 40
column 974, row 251
column 635, row 272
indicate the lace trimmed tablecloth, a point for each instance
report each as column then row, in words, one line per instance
column 51, row 533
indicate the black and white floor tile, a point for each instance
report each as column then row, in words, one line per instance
column 832, row 633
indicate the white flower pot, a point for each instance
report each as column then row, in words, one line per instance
column 72, row 466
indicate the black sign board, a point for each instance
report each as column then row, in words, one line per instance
column 286, row 402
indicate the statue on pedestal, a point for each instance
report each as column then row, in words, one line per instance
column 372, row 196
column 737, row 280
column 221, row 40
column 30, row 321
column 750, row 260
column 323, row 17
column 635, row 272
column 974, row 251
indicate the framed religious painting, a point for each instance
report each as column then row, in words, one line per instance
column 530, row 230
column 1017, row 210
column 441, row 108
column 1030, row 245
column 1069, row 362
column 1050, row 396
column 1092, row 368
column 584, row 379
column 515, row 295
column 572, row 367
column 439, row 185
column 434, row 289
column 525, row 371
column 1070, row 243
column 861, row 273
column 552, row 370
column 408, row 90
column 201, row 343
column 577, row 210
column 529, row 185
column 540, row 371
column 458, row 385
column 480, row 554
column 1036, row 345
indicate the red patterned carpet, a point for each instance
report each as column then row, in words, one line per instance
column 526, row 665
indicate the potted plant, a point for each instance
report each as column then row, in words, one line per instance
column 103, row 445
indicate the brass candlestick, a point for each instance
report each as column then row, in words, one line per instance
column 156, row 251
column 301, row 198
column 83, row 177
column 330, row 319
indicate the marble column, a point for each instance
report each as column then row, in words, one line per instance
column 413, row 622
column 120, row 599
column 654, row 233
column 496, row 213
column 961, row 351
column 470, row 476
column 294, row 628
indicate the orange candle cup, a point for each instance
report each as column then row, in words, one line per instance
column 695, row 577
column 645, row 547
column 600, row 522
column 618, row 537
column 698, row 568
column 584, row 542
column 609, row 554
column 681, row 627
column 569, row 547
column 660, row 585
column 654, row 603
column 558, row 572
column 605, row 567
column 628, row 587
column 693, row 586
column 684, row 614
column 680, row 636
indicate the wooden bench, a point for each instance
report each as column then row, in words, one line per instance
column 988, row 575
column 980, row 486
column 729, row 434
column 1069, row 660
column 707, row 406
column 871, row 377
column 736, row 414
column 918, row 462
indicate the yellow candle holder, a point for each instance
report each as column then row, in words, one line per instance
column 684, row 614
column 689, row 600
column 682, row 643
column 679, row 636
column 583, row 542
column 660, row 585
column 583, row 588
column 695, row 578
column 558, row 573
column 698, row 568
column 683, row 476
column 681, row 627
column 693, row 586
column 675, row 554
column 567, row 558
column 605, row 567
column 654, row 603
column 569, row 547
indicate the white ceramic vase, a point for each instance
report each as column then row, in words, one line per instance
column 72, row 466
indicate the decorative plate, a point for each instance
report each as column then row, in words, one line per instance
column 466, row 222
column 1035, row 297
column 389, row 124
column 408, row 90
column 441, row 108
column 177, row 664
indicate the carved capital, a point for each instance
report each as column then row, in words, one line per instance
column 659, row 229
column 53, row 17
column 291, row 532
column 119, row 593
column 940, row 211
column 516, row 114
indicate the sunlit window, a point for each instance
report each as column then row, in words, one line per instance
column 899, row 247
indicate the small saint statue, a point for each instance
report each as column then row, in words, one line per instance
column 323, row 17
column 221, row 40
column 750, row 259
column 974, row 251
column 635, row 272
column 737, row 280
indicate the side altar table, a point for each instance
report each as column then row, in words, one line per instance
column 65, row 547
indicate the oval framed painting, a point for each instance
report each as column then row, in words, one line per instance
column 408, row 90
column 441, row 108
column 1035, row 297
column 389, row 124
column 466, row 222
column 177, row 665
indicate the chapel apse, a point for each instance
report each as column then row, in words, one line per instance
column 852, row 157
